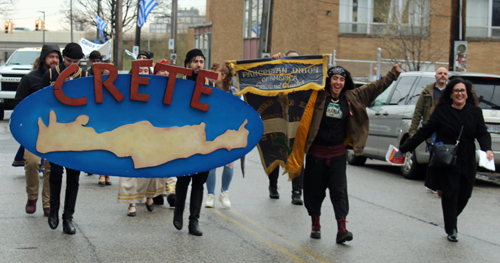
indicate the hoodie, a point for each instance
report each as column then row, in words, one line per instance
column 32, row 82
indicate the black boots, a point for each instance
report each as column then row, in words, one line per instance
column 343, row 235
column 55, row 195
column 180, row 202
column 296, row 198
column 194, row 209
column 68, row 227
column 69, row 209
column 453, row 237
column 316, row 227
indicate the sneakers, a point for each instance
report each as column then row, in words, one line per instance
column 296, row 198
column 210, row 201
column 273, row 192
column 430, row 190
column 224, row 199
column 31, row 206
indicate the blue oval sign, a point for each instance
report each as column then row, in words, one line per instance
column 135, row 138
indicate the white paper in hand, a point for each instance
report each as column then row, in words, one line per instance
column 484, row 162
column 394, row 157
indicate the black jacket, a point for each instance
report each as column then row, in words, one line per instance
column 447, row 121
column 32, row 82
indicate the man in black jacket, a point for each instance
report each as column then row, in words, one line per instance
column 49, row 57
column 72, row 54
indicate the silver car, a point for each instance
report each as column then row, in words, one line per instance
column 391, row 113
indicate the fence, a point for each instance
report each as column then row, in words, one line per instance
column 363, row 70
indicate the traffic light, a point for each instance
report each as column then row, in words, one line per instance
column 37, row 24
column 12, row 27
column 43, row 25
column 6, row 27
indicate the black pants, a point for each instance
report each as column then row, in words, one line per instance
column 454, row 199
column 297, row 182
column 72, row 184
column 196, row 193
column 318, row 177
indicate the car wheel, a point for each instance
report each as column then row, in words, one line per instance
column 2, row 114
column 352, row 159
column 411, row 169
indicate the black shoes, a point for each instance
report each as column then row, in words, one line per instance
column 158, row 200
column 194, row 228
column 150, row 207
column 68, row 227
column 132, row 213
column 343, row 235
column 296, row 198
column 454, row 236
column 273, row 192
column 171, row 200
column 316, row 227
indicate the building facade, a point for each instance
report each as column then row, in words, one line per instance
column 352, row 30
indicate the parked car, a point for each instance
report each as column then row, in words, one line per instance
column 391, row 113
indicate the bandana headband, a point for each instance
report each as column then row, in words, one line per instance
column 337, row 70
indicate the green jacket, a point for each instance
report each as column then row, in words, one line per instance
column 423, row 109
column 357, row 122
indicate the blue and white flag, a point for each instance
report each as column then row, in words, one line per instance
column 101, row 25
column 145, row 7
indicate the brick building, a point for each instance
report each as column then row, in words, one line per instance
column 232, row 30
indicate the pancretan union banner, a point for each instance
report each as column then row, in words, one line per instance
column 283, row 92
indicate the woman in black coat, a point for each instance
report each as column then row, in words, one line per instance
column 455, row 108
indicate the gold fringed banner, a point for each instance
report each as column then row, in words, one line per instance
column 283, row 92
column 296, row 159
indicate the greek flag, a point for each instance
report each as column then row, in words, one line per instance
column 101, row 25
column 145, row 7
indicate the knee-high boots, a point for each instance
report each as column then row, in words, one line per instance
column 194, row 209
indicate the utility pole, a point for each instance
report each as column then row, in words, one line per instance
column 137, row 28
column 71, row 17
column 173, row 31
column 43, row 26
column 97, row 36
column 118, row 41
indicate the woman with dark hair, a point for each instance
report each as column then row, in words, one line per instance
column 339, row 120
column 456, row 109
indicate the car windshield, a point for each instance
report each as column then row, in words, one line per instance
column 486, row 90
column 23, row 58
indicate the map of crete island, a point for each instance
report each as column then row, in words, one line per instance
column 148, row 146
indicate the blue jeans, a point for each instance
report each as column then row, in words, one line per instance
column 227, row 176
column 433, row 140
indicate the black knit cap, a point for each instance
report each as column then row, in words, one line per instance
column 73, row 51
column 143, row 53
column 192, row 54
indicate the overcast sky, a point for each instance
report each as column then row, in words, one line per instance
column 27, row 12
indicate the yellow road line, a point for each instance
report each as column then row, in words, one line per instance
column 273, row 244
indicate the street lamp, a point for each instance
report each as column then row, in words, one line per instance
column 43, row 27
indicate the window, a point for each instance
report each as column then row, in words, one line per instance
column 251, row 27
column 483, row 18
column 203, row 41
column 422, row 83
column 370, row 16
column 402, row 91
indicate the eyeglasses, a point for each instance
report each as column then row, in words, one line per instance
column 459, row 91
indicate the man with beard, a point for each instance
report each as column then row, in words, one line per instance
column 424, row 107
column 72, row 54
column 49, row 57
column 196, row 61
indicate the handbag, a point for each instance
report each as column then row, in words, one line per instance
column 445, row 155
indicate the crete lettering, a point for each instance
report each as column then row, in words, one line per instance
column 135, row 84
